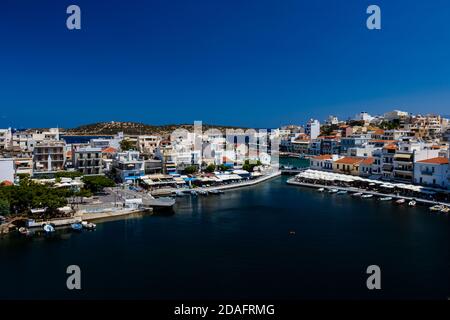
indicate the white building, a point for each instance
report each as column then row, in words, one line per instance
column 313, row 129
column 332, row 120
column 432, row 172
column 129, row 166
column 5, row 139
column 364, row 116
column 395, row 115
column 6, row 169
column 148, row 144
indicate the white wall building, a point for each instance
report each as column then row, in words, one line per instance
column 432, row 172
column 312, row 129
column 6, row 169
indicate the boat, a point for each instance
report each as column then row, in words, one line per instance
column 24, row 231
column 412, row 203
column 385, row 199
column 203, row 192
column 48, row 228
column 367, row 196
column 342, row 192
column 193, row 192
column 333, row 190
column 437, row 207
column 357, row 194
column 88, row 225
column 400, row 201
column 76, row 226
column 321, row 189
column 445, row 209
column 179, row 194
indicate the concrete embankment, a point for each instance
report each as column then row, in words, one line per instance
column 374, row 193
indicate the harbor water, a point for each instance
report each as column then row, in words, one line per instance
column 270, row 241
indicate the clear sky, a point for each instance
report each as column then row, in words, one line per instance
column 258, row 63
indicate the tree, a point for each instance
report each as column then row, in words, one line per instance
column 223, row 167
column 126, row 145
column 4, row 207
column 190, row 169
column 247, row 166
column 210, row 168
column 97, row 183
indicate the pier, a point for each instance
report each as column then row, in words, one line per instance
column 355, row 190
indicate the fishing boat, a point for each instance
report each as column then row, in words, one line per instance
column 342, row 192
column 400, row 201
column 24, row 231
column 88, row 225
column 321, row 190
column 437, row 207
column 48, row 228
column 333, row 190
column 412, row 203
column 76, row 226
column 385, row 199
column 367, row 196
column 445, row 209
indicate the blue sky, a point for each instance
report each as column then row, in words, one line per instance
column 255, row 63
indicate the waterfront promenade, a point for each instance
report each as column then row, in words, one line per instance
column 292, row 181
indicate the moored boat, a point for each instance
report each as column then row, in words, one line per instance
column 333, row 190
column 445, row 209
column 48, row 228
column 400, row 201
column 367, row 196
column 437, row 207
column 88, row 225
column 24, row 231
column 357, row 194
column 76, row 226
column 321, row 190
column 385, row 199
column 193, row 192
column 412, row 203
column 342, row 192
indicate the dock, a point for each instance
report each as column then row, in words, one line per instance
column 374, row 193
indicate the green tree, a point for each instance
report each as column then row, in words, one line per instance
column 190, row 169
column 97, row 183
column 4, row 207
column 210, row 168
column 126, row 145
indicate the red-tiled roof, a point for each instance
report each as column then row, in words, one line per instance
column 109, row 150
column 390, row 147
column 323, row 157
column 367, row 161
column 438, row 160
column 349, row 160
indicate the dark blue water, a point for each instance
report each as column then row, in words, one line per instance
column 238, row 245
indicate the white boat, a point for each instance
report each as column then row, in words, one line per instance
column 343, row 192
column 203, row 192
column 358, row 194
column 385, row 199
column 48, row 228
column 24, row 231
column 400, row 201
column 437, row 207
column 367, row 196
column 88, row 225
column 193, row 192
column 333, row 190
column 445, row 209
column 321, row 189
column 412, row 203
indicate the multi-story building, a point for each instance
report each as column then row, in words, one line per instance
column 354, row 141
column 330, row 145
column 348, row 165
column 48, row 157
column 128, row 166
column 23, row 165
column 148, row 144
column 432, row 172
column 88, row 160
column 323, row 162
column 429, row 126
column 408, row 153
column 312, row 128
column 5, row 139
column 365, row 167
column 6, row 170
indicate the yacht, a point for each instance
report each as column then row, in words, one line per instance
column 437, row 207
